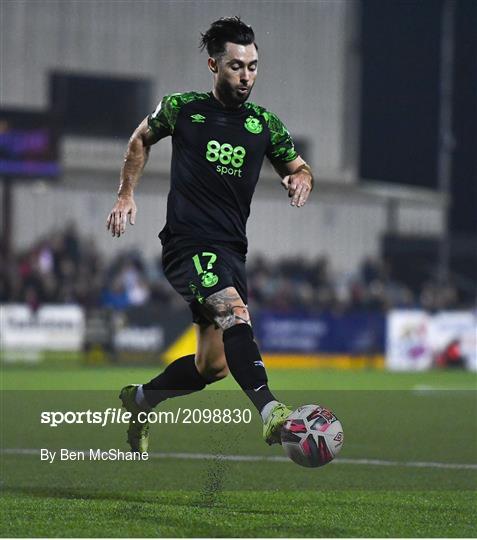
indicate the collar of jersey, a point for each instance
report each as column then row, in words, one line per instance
column 229, row 110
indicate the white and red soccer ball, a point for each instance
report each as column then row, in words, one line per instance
column 312, row 436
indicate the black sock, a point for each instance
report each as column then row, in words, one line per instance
column 246, row 365
column 178, row 379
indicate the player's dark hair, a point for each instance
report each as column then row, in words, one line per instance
column 226, row 29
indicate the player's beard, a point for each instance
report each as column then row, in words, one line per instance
column 230, row 95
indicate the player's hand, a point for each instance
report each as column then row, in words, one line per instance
column 299, row 187
column 116, row 222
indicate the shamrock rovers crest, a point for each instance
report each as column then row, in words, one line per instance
column 253, row 125
column 209, row 279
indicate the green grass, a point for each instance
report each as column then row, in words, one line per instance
column 388, row 417
column 259, row 514
column 110, row 378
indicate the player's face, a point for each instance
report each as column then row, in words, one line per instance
column 236, row 72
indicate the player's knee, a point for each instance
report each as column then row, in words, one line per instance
column 232, row 316
column 227, row 308
column 237, row 315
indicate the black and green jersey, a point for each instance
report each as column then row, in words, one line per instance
column 217, row 154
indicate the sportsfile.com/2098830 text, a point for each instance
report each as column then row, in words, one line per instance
column 113, row 415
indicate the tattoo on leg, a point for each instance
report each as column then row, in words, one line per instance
column 227, row 308
column 244, row 315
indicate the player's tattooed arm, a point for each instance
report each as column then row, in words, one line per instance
column 135, row 160
column 297, row 179
column 227, row 308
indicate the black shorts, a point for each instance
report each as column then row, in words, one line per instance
column 199, row 271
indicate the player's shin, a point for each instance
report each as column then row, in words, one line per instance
column 246, row 365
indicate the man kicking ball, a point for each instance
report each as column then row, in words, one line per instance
column 219, row 141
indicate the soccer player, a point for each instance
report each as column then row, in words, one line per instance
column 219, row 141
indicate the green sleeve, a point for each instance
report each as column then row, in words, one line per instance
column 280, row 147
column 162, row 121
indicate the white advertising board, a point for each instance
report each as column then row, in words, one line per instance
column 408, row 340
column 460, row 326
column 51, row 327
column 415, row 338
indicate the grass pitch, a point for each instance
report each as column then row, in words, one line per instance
column 408, row 466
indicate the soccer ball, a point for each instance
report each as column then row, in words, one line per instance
column 312, row 436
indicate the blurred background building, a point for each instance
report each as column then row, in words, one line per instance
column 381, row 97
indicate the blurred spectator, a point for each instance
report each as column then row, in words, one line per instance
column 65, row 268
column 115, row 295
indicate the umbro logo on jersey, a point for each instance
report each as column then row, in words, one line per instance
column 197, row 118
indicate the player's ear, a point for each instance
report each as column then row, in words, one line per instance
column 212, row 63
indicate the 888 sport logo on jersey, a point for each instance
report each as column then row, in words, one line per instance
column 229, row 158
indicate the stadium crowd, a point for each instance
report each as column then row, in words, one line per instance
column 64, row 268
